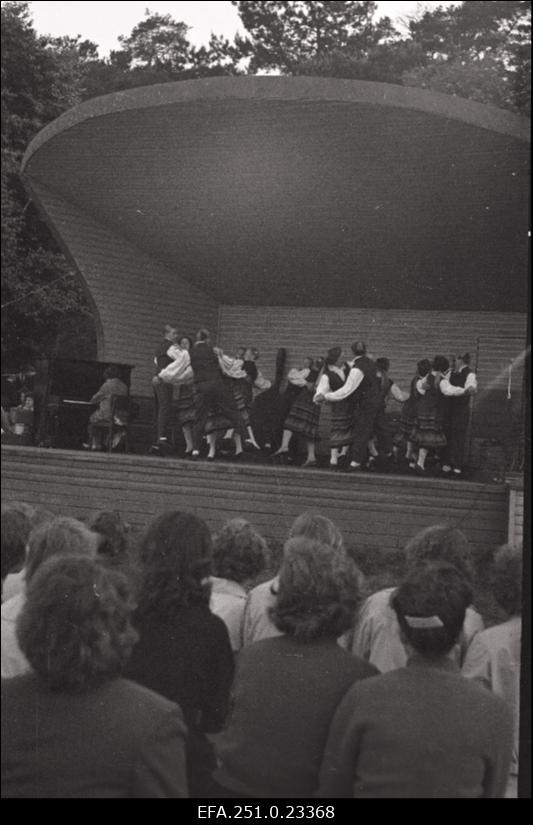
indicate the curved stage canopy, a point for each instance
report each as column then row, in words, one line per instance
column 299, row 191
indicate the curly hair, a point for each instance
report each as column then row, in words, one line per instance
column 318, row 591
column 441, row 543
column 62, row 536
column 176, row 558
column 16, row 527
column 506, row 579
column 438, row 592
column 74, row 628
column 314, row 526
column 240, row 553
column 440, row 363
column 423, row 367
column 113, row 530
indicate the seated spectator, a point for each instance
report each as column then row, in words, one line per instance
column 288, row 687
column 376, row 636
column 184, row 652
column 18, row 520
column 493, row 658
column 258, row 623
column 423, row 731
column 113, row 532
column 73, row 728
column 59, row 537
column 239, row 556
column 16, row 526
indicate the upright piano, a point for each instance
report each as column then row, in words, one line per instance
column 62, row 391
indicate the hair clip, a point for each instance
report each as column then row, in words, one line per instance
column 423, row 622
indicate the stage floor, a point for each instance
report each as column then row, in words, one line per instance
column 382, row 510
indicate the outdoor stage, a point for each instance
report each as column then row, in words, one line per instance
column 371, row 509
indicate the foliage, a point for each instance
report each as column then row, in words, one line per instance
column 40, row 295
column 282, row 35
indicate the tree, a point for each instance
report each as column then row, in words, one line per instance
column 480, row 51
column 283, row 35
column 158, row 42
column 40, row 293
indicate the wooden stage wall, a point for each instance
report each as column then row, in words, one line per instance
column 383, row 511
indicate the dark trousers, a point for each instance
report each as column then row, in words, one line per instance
column 211, row 395
column 381, row 430
column 455, row 430
column 163, row 408
column 364, row 420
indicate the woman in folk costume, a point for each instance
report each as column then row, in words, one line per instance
column 241, row 389
column 389, row 389
column 428, row 432
column 332, row 378
column 304, row 414
column 179, row 373
column 402, row 439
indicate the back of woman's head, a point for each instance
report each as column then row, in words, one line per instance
column 61, row 536
column 112, row 531
column 176, row 557
column 16, row 527
column 430, row 605
column 440, row 363
column 318, row 592
column 506, row 579
column 74, row 628
column 314, row 526
column 423, row 367
column 440, row 543
column 240, row 553
column 333, row 355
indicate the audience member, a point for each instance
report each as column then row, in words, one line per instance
column 493, row 658
column 183, row 652
column 28, row 518
column 59, row 537
column 16, row 527
column 287, row 688
column 376, row 635
column 258, row 623
column 73, row 728
column 113, row 534
column 422, row 731
column 240, row 554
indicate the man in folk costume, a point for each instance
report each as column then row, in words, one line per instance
column 211, row 392
column 364, row 382
column 458, row 414
column 163, row 390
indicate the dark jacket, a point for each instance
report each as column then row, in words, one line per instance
column 116, row 741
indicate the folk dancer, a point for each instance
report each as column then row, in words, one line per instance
column 179, row 374
column 364, row 383
column 428, row 432
column 303, row 417
column 211, row 392
column 458, row 415
column 402, row 439
column 333, row 377
column 389, row 389
column 163, row 391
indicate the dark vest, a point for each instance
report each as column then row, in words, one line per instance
column 335, row 381
column 161, row 355
column 458, row 379
column 370, row 386
column 204, row 363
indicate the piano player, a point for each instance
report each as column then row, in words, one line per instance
column 112, row 386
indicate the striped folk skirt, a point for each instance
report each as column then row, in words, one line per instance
column 304, row 416
column 341, row 427
column 428, row 429
column 186, row 405
column 240, row 390
column 407, row 422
